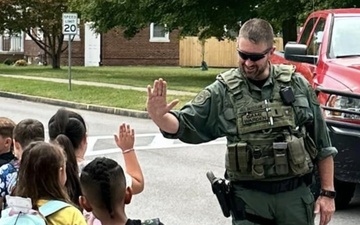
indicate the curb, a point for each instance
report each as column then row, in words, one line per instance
column 82, row 106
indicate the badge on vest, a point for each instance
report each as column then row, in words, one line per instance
column 254, row 117
column 259, row 115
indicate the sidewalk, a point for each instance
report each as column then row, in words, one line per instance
column 95, row 108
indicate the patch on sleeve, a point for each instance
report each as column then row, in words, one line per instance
column 201, row 97
column 313, row 98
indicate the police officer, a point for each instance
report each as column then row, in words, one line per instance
column 274, row 128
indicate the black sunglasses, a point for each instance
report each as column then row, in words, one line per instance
column 253, row 56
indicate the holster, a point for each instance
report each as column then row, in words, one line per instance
column 222, row 190
column 230, row 205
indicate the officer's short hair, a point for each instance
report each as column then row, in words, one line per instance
column 257, row 31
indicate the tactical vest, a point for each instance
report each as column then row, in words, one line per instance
column 269, row 146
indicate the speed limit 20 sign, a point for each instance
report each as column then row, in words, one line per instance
column 69, row 23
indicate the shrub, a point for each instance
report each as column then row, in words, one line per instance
column 21, row 62
column 8, row 61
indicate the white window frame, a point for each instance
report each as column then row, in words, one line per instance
column 158, row 39
column 19, row 41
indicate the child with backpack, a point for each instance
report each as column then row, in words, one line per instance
column 105, row 193
column 68, row 128
column 23, row 133
column 41, row 184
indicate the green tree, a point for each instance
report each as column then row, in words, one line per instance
column 283, row 15
column 189, row 16
column 314, row 5
column 204, row 18
column 32, row 16
column 287, row 15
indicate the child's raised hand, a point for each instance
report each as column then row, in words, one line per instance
column 126, row 137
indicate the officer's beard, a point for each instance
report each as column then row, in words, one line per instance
column 255, row 72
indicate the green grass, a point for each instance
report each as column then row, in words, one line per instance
column 183, row 79
column 82, row 94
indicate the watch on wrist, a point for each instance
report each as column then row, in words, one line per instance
column 329, row 194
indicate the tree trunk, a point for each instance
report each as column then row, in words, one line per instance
column 289, row 30
column 55, row 61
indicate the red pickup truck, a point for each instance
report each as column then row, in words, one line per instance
column 327, row 53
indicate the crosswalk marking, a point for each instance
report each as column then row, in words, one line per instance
column 158, row 142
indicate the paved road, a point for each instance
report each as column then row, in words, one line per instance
column 176, row 188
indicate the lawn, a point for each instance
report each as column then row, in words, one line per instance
column 127, row 99
column 184, row 79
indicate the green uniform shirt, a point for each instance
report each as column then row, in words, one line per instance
column 211, row 114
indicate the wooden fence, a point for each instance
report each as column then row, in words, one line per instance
column 216, row 53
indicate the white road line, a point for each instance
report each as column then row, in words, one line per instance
column 136, row 135
column 93, row 139
column 159, row 142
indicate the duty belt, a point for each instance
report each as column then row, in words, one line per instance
column 275, row 187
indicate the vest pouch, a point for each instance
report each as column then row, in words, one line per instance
column 280, row 157
column 237, row 157
column 231, row 158
column 298, row 156
column 243, row 157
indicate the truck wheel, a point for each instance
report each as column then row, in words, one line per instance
column 344, row 193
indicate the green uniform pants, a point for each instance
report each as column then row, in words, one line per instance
column 288, row 208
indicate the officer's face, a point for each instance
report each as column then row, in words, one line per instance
column 254, row 59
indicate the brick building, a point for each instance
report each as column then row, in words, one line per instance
column 143, row 49
column 151, row 46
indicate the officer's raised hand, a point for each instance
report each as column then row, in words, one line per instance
column 158, row 108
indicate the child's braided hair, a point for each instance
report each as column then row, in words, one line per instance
column 103, row 181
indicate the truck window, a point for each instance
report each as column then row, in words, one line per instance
column 307, row 30
column 345, row 37
column 313, row 48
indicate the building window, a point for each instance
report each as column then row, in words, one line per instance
column 12, row 42
column 158, row 33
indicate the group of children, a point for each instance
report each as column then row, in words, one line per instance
column 56, row 173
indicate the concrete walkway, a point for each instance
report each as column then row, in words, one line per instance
column 75, row 105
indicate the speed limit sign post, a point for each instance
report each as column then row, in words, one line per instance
column 70, row 22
